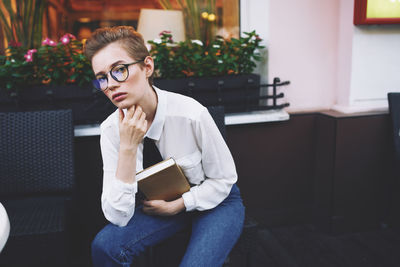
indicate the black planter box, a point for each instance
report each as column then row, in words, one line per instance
column 235, row 92
column 88, row 105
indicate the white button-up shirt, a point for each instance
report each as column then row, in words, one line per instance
column 184, row 130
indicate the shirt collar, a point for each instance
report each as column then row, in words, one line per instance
column 157, row 125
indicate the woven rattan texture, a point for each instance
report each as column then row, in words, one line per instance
column 36, row 152
column 44, row 215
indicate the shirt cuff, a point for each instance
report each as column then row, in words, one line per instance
column 188, row 201
column 119, row 186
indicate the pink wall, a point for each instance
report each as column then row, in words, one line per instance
column 303, row 48
column 344, row 53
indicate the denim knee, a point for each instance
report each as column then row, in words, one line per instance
column 111, row 247
column 99, row 247
column 105, row 252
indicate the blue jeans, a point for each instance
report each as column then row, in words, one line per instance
column 214, row 233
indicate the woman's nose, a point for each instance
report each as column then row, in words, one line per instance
column 112, row 84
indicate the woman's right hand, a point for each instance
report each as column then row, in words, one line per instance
column 132, row 127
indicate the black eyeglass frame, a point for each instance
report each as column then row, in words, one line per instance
column 115, row 78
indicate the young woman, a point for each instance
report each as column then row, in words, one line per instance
column 182, row 129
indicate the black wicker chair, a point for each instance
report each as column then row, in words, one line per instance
column 36, row 181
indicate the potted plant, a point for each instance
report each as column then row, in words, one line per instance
column 219, row 73
column 36, row 74
column 56, row 75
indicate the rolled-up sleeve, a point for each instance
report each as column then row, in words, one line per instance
column 118, row 198
column 218, row 166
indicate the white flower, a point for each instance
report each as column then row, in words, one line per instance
column 148, row 46
column 216, row 46
column 197, row 42
column 157, row 41
column 12, row 60
column 220, row 61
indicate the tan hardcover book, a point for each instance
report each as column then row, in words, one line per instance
column 164, row 181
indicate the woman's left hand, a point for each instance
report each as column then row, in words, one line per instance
column 163, row 208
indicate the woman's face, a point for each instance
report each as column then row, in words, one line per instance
column 135, row 88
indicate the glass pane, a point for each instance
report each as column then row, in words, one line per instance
column 80, row 17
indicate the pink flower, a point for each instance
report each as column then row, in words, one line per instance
column 31, row 51
column 67, row 38
column 29, row 55
column 49, row 42
column 164, row 32
column 71, row 36
column 64, row 39
column 14, row 43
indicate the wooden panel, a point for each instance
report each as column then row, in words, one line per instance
column 275, row 163
column 109, row 15
column 363, row 168
column 324, row 171
column 111, row 5
column 230, row 19
column 3, row 42
column 53, row 24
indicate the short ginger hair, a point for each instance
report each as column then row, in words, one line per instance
column 130, row 40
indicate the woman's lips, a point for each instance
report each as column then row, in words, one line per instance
column 119, row 96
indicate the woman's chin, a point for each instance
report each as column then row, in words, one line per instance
column 123, row 105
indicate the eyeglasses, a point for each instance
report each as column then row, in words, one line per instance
column 119, row 73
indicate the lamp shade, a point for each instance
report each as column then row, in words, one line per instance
column 153, row 21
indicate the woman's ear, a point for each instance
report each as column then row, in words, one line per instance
column 149, row 66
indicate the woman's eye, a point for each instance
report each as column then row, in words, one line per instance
column 119, row 69
column 101, row 79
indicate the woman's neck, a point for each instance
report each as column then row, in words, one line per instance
column 149, row 105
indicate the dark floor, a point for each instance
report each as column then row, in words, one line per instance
column 289, row 246
column 304, row 246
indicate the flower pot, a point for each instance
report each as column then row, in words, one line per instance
column 235, row 92
column 88, row 105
